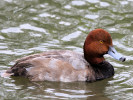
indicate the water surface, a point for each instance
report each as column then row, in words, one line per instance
column 33, row 26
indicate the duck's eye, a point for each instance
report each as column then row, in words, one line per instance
column 101, row 41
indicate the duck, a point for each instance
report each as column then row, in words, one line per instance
column 70, row 66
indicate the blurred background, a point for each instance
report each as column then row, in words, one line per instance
column 33, row 26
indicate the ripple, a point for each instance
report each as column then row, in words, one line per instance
column 124, row 2
column 32, row 10
column 6, row 52
column 30, row 27
column 76, row 91
column 22, row 52
column 67, row 7
column 35, row 34
column 52, row 97
column 78, row 3
column 93, row 1
column 3, row 46
column 23, row 26
column 12, row 30
column 1, row 37
column 71, row 96
column 123, row 47
column 113, row 29
column 128, row 41
column 9, row 84
column 46, row 15
column 104, row 4
column 44, row 5
column 91, row 16
column 129, row 82
column 71, row 36
column 65, row 23
column 8, row 0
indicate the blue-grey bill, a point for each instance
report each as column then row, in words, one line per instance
column 112, row 52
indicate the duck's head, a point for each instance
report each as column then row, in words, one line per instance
column 98, row 43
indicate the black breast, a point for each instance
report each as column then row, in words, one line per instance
column 103, row 70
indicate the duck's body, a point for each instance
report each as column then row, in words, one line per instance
column 67, row 66
column 62, row 65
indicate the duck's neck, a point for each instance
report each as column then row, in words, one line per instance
column 93, row 60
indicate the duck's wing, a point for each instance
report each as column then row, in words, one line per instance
column 74, row 58
column 47, row 54
column 40, row 68
column 22, row 65
column 52, row 63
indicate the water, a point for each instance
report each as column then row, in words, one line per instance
column 32, row 26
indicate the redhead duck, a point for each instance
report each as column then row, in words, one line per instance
column 69, row 66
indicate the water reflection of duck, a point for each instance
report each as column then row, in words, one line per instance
column 59, row 90
column 69, row 66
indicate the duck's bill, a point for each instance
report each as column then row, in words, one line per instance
column 112, row 52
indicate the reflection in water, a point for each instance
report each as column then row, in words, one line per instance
column 29, row 27
column 59, row 90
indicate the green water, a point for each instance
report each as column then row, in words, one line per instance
column 32, row 26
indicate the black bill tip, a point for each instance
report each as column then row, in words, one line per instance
column 122, row 59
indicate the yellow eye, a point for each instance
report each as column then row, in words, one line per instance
column 101, row 41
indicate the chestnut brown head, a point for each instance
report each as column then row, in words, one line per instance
column 98, row 43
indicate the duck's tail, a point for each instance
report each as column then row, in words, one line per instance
column 5, row 74
column 18, row 69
